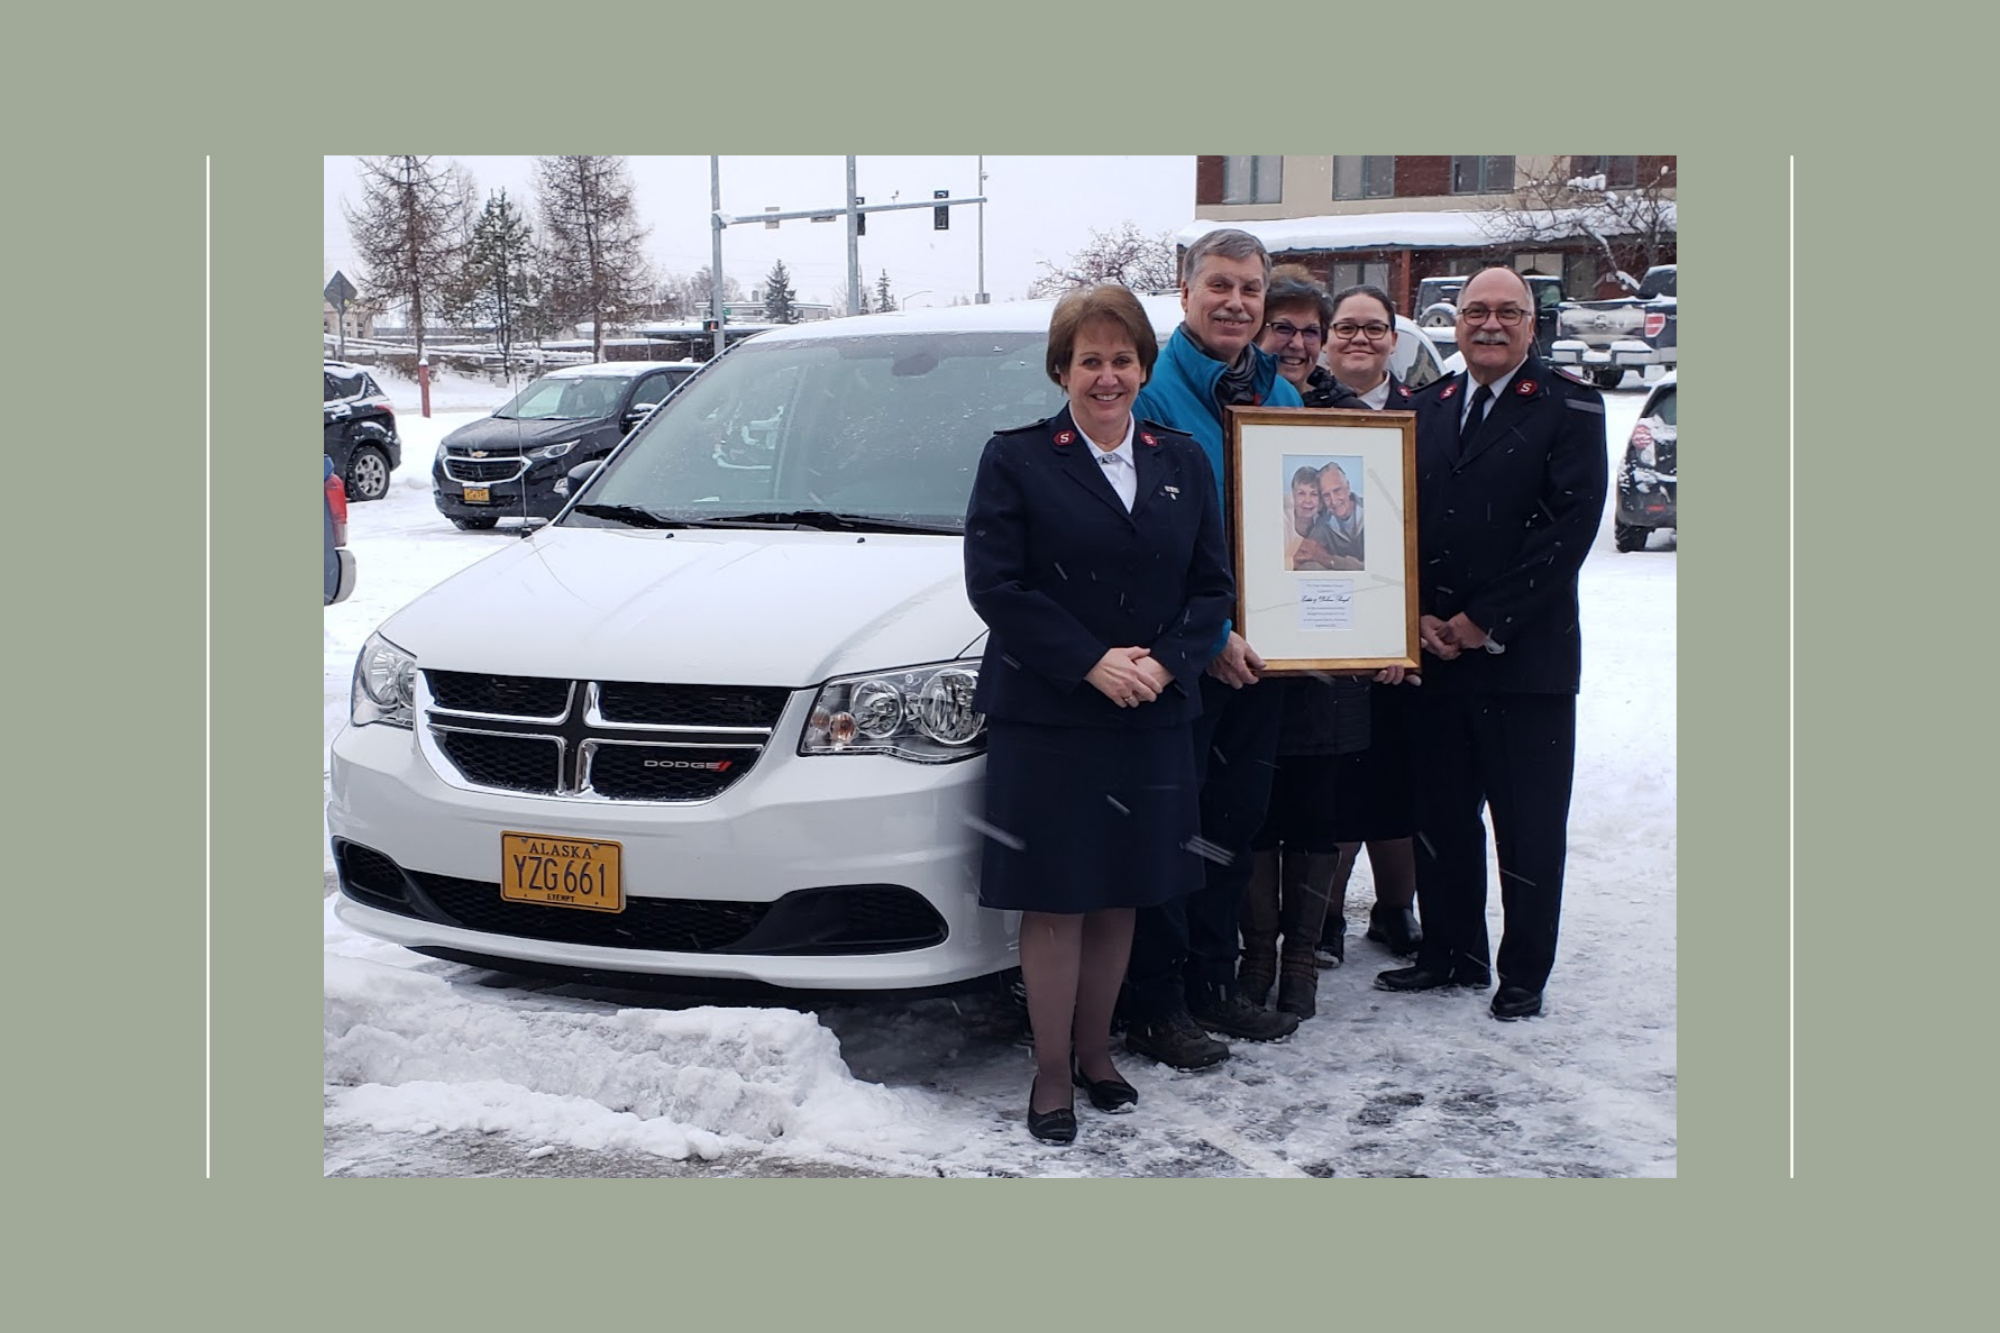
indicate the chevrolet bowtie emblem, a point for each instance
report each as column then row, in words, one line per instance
column 476, row 453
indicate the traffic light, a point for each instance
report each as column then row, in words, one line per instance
column 860, row 219
column 941, row 217
column 710, row 325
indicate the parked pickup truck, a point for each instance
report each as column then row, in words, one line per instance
column 1605, row 338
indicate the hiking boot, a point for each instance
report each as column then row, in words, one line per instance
column 1233, row 1016
column 1298, row 986
column 1176, row 1042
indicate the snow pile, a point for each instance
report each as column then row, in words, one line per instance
column 409, row 1051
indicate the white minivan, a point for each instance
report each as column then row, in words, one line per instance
column 715, row 720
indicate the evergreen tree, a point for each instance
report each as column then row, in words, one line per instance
column 410, row 233
column 884, row 301
column 778, row 296
column 497, row 287
column 592, row 241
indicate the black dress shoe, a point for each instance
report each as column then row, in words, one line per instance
column 1057, row 1126
column 1512, row 1002
column 1109, row 1095
column 1426, row 978
column 1395, row 928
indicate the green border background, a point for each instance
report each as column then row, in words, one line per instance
column 266, row 1233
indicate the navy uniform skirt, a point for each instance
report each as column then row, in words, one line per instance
column 1084, row 818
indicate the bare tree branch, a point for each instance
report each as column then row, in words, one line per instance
column 1145, row 264
column 410, row 233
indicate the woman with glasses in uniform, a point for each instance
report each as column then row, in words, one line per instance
column 1295, row 856
column 1373, row 791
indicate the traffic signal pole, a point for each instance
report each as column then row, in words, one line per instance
column 855, row 211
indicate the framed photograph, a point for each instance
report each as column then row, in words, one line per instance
column 1317, row 587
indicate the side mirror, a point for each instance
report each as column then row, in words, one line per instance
column 582, row 472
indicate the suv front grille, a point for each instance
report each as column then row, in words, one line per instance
column 477, row 470
column 599, row 740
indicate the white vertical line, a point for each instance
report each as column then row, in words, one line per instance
column 1791, row 657
column 208, row 632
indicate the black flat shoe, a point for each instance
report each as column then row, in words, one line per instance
column 1512, row 1002
column 1057, row 1126
column 1109, row 1095
column 1425, row 978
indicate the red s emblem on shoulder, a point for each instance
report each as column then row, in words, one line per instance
column 1525, row 387
column 1065, row 437
column 1149, row 439
column 1450, row 391
column 1403, row 389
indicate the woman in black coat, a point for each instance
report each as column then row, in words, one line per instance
column 1094, row 553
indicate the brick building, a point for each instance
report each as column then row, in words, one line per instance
column 1395, row 220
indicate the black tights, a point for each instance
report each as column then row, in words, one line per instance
column 1072, row 965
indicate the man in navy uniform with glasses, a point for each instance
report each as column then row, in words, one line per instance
column 1511, row 479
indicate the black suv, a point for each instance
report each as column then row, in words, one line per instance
column 515, row 463
column 360, row 431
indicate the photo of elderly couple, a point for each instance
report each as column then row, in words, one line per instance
column 1323, row 513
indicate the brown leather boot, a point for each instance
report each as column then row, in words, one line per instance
column 1258, row 967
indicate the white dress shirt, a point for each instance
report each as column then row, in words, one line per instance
column 1120, row 468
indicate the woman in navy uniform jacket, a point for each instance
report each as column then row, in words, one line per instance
column 1094, row 553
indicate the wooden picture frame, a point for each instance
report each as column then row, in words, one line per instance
column 1340, row 596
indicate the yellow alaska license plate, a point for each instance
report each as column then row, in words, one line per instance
column 478, row 495
column 561, row 872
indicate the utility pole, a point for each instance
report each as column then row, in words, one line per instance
column 715, row 264
column 981, row 298
column 853, row 244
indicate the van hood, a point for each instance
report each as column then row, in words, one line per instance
column 709, row 606
column 507, row 434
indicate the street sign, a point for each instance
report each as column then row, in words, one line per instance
column 339, row 291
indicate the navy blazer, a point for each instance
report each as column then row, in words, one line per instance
column 1502, row 527
column 1061, row 573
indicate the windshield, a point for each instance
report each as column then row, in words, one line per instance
column 553, row 399
column 874, row 428
column 1659, row 282
column 1663, row 407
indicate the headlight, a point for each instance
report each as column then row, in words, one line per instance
column 923, row 714
column 548, row 451
column 385, row 684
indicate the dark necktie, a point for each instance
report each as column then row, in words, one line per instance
column 1480, row 398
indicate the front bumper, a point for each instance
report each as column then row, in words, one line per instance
column 533, row 494
column 789, row 826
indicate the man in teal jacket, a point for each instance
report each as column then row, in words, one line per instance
column 1182, row 977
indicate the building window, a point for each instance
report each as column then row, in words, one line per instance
column 1253, row 180
column 1620, row 173
column 1482, row 175
column 1345, row 274
column 1357, row 177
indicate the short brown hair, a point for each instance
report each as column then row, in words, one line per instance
column 1294, row 284
column 1109, row 303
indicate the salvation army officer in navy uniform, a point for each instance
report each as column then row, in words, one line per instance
column 1094, row 553
column 1511, row 479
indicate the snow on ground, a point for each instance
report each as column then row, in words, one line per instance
column 433, row 1068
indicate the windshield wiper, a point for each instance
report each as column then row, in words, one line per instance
column 831, row 520
column 631, row 515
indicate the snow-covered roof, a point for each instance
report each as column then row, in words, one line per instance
column 1439, row 230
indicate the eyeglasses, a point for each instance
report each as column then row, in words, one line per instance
column 1375, row 332
column 1312, row 333
column 1510, row 315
